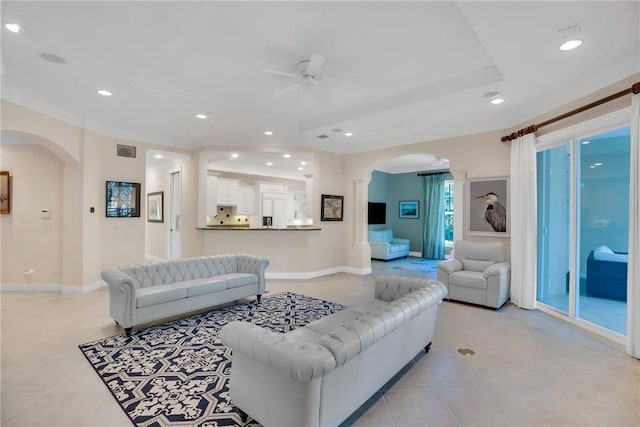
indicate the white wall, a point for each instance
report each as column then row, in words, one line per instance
column 156, row 232
column 29, row 241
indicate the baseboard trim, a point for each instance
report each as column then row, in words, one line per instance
column 31, row 287
column 52, row 287
column 318, row 273
column 69, row 290
column 415, row 254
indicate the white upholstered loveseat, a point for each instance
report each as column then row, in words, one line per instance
column 320, row 374
column 141, row 293
column 385, row 247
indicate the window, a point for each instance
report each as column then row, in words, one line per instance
column 448, row 211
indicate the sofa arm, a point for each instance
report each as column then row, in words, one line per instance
column 450, row 266
column 299, row 360
column 254, row 265
column 122, row 296
column 497, row 269
column 397, row 240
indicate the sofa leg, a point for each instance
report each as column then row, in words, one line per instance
column 259, row 297
column 427, row 348
column 128, row 331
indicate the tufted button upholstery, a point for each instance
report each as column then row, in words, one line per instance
column 352, row 332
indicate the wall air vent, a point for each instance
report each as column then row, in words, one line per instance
column 323, row 136
column 126, row 151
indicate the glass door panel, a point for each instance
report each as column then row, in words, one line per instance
column 554, row 204
column 603, row 209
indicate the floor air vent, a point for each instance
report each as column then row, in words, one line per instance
column 126, row 151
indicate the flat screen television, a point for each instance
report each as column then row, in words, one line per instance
column 122, row 199
column 377, row 213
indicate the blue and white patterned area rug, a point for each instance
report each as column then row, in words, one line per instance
column 423, row 265
column 177, row 374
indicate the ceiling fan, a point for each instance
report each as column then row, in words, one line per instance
column 308, row 74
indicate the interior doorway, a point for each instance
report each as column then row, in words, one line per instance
column 175, row 214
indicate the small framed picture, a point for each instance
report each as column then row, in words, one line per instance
column 332, row 208
column 155, row 207
column 410, row 209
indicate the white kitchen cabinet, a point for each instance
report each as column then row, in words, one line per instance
column 212, row 195
column 228, row 192
column 246, row 200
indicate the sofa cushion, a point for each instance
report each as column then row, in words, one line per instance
column 235, row 280
column 159, row 294
column 468, row 279
column 204, row 286
column 385, row 236
column 475, row 264
column 329, row 323
column 397, row 247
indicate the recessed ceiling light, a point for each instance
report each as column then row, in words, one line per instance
column 269, row 164
column 571, row 44
column 592, row 167
column 104, row 92
column 201, row 116
column 300, row 168
column 348, row 134
column 235, row 155
column 586, row 142
column 158, row 156
column 303, row 163
column 597, row 164
column 268, row 132
column 496, row 101
column 14, row 28
column 286, row 155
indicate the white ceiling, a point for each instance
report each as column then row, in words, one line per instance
column 402, row 72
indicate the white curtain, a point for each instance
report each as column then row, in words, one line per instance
column 633, row 266
column 523, row 207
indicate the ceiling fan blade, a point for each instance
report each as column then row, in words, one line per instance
column 279, row 73
column 287, row 89
column 315, row 63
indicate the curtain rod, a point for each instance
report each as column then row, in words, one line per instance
column 635, row 88
column 441, row 172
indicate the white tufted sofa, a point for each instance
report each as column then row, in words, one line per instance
column 141, row 293
column 320, row 374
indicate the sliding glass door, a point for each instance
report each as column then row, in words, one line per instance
column 583, row 209
column 603, row 228
column 554, row 196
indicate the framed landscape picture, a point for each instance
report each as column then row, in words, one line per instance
column 155, row 207
column 410, row 209
column 331, row 208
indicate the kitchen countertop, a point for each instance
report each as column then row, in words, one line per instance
column 235, row 228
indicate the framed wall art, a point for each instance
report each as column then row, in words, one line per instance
column 155, row 207
column 487, row 210
column 331, row 208
column 410, row 209
column 5, row 192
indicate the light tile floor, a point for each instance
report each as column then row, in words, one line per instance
column 529, row 369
